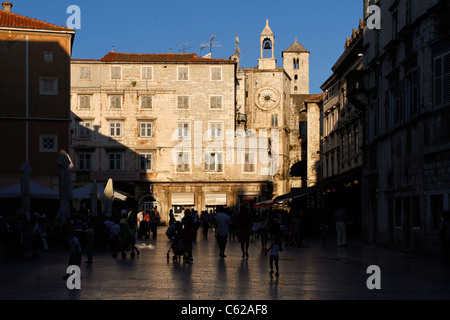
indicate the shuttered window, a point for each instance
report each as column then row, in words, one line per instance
column 442, row 80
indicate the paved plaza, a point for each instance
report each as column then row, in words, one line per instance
column 313, row 272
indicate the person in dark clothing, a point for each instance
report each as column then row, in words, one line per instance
column 244, row 230
column 444, row 236
column 188, row 235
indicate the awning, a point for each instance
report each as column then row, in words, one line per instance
column 296, row 193
column 215, row 199
column 36, row 191
column 266, row 203
column 183, row 199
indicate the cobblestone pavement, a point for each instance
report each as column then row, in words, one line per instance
column 313, row 272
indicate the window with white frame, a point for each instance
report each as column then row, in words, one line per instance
column 84, row 130
column 183, row 130
column 183, row 73
column 146, row 129
column 85, row 161
column 146, row 101
column 249, row 161
column 48, row 143
column 215, row 102
column 84, row 101
column 115, row 101
column 216, row 73
column 116, row 73
column 213, row 162
column 215, row 130
column 115, row 129
column 183, row 102
column 115, row 161
column 85, row 73
column 145, row 162
column 48, row 86
column 183, row 161
column 147, row 73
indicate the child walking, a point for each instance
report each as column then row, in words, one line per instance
column 275, row 249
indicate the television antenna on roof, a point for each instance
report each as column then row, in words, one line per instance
column 210, row 44
column 184, row 46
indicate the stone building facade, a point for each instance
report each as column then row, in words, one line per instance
column 178, row 130
column 342, row 131
column 406, row 182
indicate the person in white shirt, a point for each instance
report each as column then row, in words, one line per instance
column 223, row 222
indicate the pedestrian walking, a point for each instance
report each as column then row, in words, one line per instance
column 275, row 249
column 205, row 223
column 172, row 218
column 444, row 236
column 244, row 230
column 340, row 220
column 90, row 242
column 140, row 218
column 75, row 250
column 188, row 235
column 223, row 222
column 155, row 219
column 264, row 230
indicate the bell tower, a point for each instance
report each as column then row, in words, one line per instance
column 267, row 45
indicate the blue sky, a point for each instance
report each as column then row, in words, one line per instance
column 149, row 26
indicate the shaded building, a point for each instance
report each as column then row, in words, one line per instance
column 406, row 105
column 35, row 96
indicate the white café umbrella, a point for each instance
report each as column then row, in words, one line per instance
column 25, row 189
column 65, row 185
column 108, row 198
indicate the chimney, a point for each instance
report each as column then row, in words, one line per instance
column 7, row 6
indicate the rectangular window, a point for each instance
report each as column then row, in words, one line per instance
column 48, row 143
column 442, row 80
column 183, row 161
column 84, row 161
column 145, row 162
column 115, row 161
column 85, row 130
column 115, row 129
column 84, row 101
column 183, row 130
column 183, row 102
column 146, row 102
column 215, row 130
column 48, row 56
column 213, row 162
column 147, row 73
column 115, row 102
column 183, row 73
column 274, row 122
column 146, row 129
column 116, row 73
column 249, row 162
column 216, row 102
column 48, row 86
column 216, row 73
column 85, row 73
column 409, row 11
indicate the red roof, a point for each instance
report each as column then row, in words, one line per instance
column 10, row 19
column 160, row 58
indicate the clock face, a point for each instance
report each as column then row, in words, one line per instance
column 267, row 98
